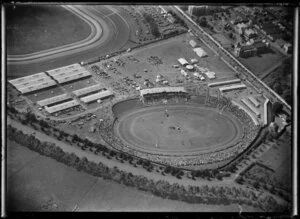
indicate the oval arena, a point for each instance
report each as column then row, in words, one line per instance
column 170, row 127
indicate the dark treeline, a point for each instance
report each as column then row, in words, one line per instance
column 161, row 188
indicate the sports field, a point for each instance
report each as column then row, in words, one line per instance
column 178, row 128
column 32, row 28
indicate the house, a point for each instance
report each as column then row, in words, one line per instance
column 287, row 47
column 250, row 34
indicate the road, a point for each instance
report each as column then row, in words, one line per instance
column 237, row 64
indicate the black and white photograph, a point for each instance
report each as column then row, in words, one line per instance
column 149, row 107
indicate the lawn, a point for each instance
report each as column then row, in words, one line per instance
column 39, row 183
column 32, row 28
column 260, row 64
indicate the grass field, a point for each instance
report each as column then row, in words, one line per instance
column 200, row 129
column 32, row 28
column 259, row 65
column 38, row 183
column 278, row 158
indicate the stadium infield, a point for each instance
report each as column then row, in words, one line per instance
column 178, row 129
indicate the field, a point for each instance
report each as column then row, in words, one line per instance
column 37, row 183
column 32, row 28
column 261, row 64
column 278, row 158
column 178, row 128
column 158, row 58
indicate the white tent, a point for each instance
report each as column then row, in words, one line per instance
column 183, row 61
column 200, row 52
column 193, row 43
column 183, row 72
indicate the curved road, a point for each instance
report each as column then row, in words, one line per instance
column 110, row 33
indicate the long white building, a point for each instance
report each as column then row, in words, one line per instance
column 52, row 100
column 162, row 89
column 221, row 83
column 233, row 87
column 62, row 106
column 72, row 77
column 96, row 96
column 36, row 87
column 27, row 78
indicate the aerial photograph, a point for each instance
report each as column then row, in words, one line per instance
column 149, row 108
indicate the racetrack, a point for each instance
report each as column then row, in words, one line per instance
column 178, row 129
column 110, row 32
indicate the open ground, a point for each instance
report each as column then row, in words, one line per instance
column 53, row 26
column 51, row 186
column 178, row 129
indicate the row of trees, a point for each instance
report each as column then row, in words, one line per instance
column 153, row 25
column 162, row 188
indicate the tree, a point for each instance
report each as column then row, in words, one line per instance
column 277, row 108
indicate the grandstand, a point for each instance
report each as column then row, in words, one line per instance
column 268, row 115
column 96, row 96
column 35, row 87
column 254, row 101
column 247, row 111
column 62, row 106
column 159, row 90
column 232, row 87
column 88, row 90
column 52, row 100
column 250, row 106
column 220, row 83
column 72, row 77
column 14, row 82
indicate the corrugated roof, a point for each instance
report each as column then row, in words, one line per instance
column 232, row 87
column 33, row 82
column 87, row 90
column 220, row 83
column 161, row 90
column 72, row 77
column 62, row 106
column 96, row 96
column 37, row 87
column 52, row 100
column 27, row 78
